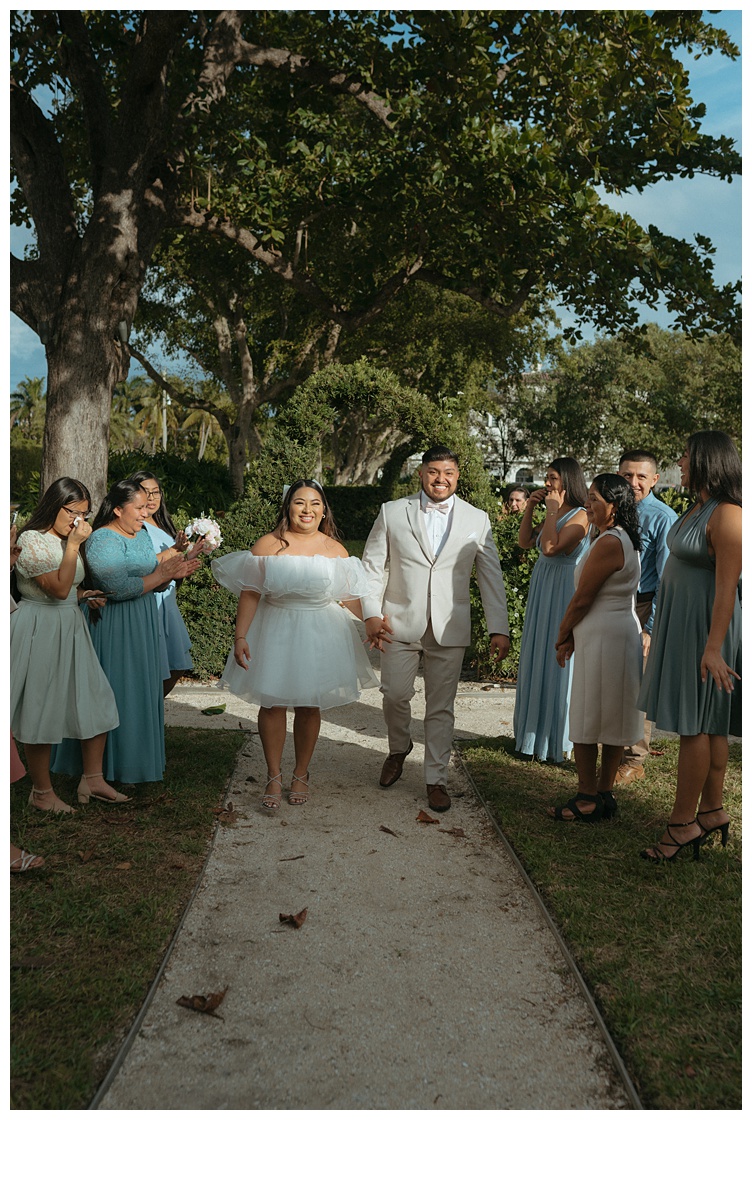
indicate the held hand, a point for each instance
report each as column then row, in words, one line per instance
column 241, row 653
column 499, row 646
column 537, row 497
column 377, row 632
column 712, row 661
column 565, row 650
column 645, row 646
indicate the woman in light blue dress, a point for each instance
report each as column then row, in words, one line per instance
column 122, row 562
column 174, row 641
column 541, row 710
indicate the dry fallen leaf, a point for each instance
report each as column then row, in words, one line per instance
column 426, row 819
column 204, row 1004
column 124, row 866
column 456, row 832
column 85, row 855
column 294, row 919
column 386, row 829
column 690, row 1072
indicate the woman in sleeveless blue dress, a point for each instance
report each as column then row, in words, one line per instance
column 692, row 681
column 123, row 564
column 541, row 710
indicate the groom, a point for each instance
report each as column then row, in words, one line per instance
column 418, row 557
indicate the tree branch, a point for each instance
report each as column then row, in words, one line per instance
column 312, row 72
column 187, row 399
column 475, row 292
column 78, row 60
column 29, row 290
column 227, row 49
column 38, row 161
column 274, row 261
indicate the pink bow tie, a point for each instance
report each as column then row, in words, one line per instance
column 442, row 506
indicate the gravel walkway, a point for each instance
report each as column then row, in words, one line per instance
column 423, row 977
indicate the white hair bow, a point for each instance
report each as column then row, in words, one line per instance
column 286, row 487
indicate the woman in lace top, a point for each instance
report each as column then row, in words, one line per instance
column 58, row 689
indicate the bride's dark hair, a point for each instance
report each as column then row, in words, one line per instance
column 327, row 525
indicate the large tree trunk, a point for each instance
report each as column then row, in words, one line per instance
column 84, row 362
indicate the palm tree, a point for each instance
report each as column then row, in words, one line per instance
column 27, row 408
column 209, row 427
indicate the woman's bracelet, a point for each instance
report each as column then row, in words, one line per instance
column 241, row 638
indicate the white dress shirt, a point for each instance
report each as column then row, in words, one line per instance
column 438, row 519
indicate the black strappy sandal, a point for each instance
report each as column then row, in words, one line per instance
column 659, row 856
column 573, row 806
column 708, row 832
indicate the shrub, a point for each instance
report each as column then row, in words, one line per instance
column 189, row 484
column 355, row 509
column 517, row 565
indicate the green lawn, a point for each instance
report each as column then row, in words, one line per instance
column 89, row 932
column 659, row 945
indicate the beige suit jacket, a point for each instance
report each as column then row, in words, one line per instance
column 412, row 587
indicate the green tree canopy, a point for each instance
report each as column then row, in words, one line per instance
column 620, row 392
column 349, row 154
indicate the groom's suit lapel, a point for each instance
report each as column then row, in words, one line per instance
column 417, row 525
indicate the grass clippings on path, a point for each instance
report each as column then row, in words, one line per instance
column 659, row 945
column 89, row 932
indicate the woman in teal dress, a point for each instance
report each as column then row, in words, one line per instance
column 695, row 651
column 541, row 710
column 122, row 562
column 57, row 687
column 174, row 641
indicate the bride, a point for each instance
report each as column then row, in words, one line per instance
column 294, row 644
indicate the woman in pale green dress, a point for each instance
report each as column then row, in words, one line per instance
column 57, row 687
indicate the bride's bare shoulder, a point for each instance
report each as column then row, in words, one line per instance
column 268, row 544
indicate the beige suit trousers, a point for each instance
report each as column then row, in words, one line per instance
column 441, row 673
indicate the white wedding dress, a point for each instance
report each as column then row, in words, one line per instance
column 305, row 649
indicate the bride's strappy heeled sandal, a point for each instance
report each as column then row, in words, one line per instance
column 300, row 797
column 271, row 800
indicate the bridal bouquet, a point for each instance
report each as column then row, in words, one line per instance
column 205, row 528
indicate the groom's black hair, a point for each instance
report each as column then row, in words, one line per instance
column 439, row 454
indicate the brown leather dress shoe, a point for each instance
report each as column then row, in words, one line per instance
column 392, row 768
column 438, row 798
column 629, row 773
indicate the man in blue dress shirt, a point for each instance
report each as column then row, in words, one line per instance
column 640, row 469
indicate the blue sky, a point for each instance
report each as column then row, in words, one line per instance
column 681, row 208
